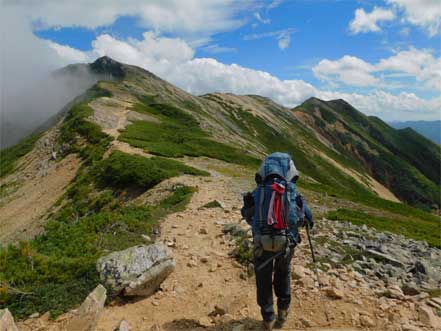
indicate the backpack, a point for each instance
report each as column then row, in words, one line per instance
column 275, row 217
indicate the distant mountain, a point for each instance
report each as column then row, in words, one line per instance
column 429, row 129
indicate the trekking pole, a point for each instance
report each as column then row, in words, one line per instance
column 316, row 272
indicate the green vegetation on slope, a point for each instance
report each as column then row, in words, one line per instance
column 56, row 270
column 122, row 170
column 10, row 156
column 403, row 161
column 419, row 229
column 178, row 134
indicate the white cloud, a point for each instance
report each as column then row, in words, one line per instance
column 419, row 64
column 71, row 55
column 261, row 19
column 349, row 70
column 283, row 37
column 205, row 75
column 425, row 14
column 187, row 17
column 284, row 40
column 216, row 49
column 367, row 22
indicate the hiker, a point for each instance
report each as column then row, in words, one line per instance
column 275, row 210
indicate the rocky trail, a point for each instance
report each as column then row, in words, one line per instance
column 210, row 290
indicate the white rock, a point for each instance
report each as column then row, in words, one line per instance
column 89, row 312
column 124, row 326
column 7, row 321
column 136, row 271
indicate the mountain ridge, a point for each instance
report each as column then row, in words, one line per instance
column 134, row 151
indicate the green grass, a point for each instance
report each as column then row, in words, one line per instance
column 76, row 125
column 56, row 270
column 178, row 134
column 10, row 156
column 124, row 170
column 404, row 161
column 419, row 229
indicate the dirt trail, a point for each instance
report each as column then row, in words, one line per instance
column 207, row 276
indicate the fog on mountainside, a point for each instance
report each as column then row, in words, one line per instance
column 26, row 110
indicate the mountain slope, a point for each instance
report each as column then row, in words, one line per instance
column 402, row 160
column 429, row 129
column 142, row 148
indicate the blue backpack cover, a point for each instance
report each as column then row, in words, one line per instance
column 276, row 168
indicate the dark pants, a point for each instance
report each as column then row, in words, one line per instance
column 264, row 283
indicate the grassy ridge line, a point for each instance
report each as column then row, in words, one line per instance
column 178, row 134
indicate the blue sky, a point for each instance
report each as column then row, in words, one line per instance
column 382, row 56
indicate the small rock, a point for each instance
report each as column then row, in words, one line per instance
column 146, row 238
column 365, row 320
column 192, row 263
column 124, row 326
column 395, row 292
column 155, row 327
column 89, row 311
column 305, row 322
column 35, row 315
column 334, row 293
column 204, row 259
column 219, row 310
column 7, row 321
column 298, row 272
column 205, row 322
column 421, row 296
column 203, row 231
column 155, row 303
column 427, row 317
column 411, row 289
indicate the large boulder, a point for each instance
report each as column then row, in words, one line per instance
column 136, row 271
column 7, row 321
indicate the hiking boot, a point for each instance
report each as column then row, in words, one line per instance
column 282, row 316
column 268, row 325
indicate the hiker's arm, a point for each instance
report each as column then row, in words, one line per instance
column 308, row 214
column 247, row 210
column 304, row 211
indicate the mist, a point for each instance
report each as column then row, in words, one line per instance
column 31, row 90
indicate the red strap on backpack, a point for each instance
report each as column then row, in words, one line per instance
column 276, row 211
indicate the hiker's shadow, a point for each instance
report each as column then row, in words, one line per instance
column 244, row 324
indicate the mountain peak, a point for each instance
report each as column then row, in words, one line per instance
column 107, row 65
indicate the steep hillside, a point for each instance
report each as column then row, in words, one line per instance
column 429, row 129
column 134, row 151
column 402, row 160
